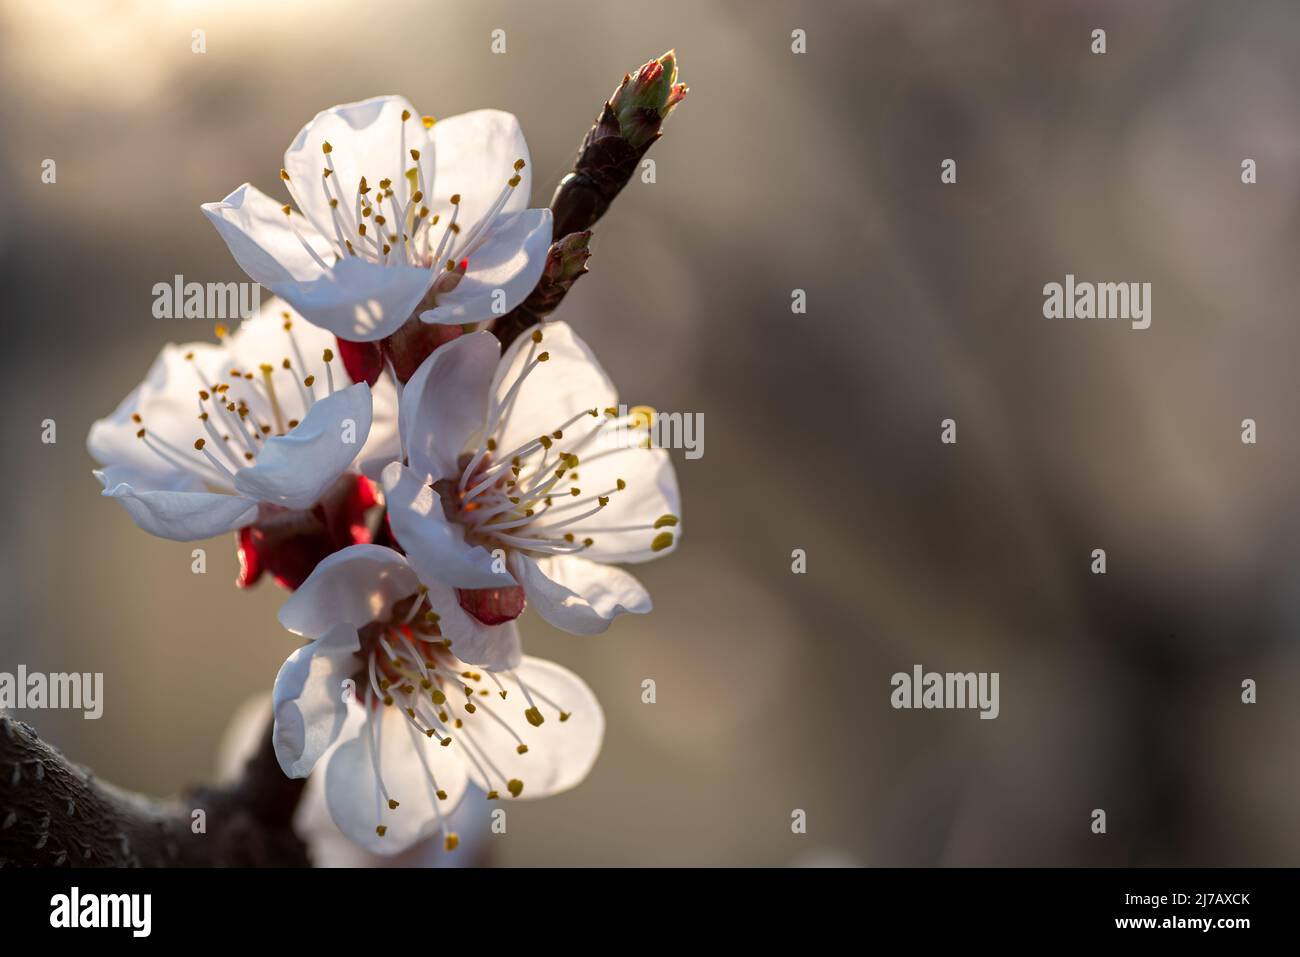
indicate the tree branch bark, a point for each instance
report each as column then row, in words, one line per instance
column 54, row 813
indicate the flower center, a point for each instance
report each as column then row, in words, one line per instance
column 390, row 223
column 241, row 409
column 407, row 664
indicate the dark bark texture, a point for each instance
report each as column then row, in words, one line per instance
column 56, row 814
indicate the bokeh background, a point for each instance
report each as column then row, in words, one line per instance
column 817, row 171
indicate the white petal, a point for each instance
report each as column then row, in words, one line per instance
column 351, row 786
column 569, row 382
column 624, row 529
column 445, row 403
column 503, row 269
column 576, row 595
column 560, row 753
column 167, row 403
column 385, row 442
column 494, row 647
column 475, row 157
column 308, row 699
column 184, row 516
column 436, row 547
column 260, row 238
column 358, row 299
column 263, row 339
column 356, row 585
column 365, row 140
column 295, row 468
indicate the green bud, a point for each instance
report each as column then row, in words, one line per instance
column 645, row 98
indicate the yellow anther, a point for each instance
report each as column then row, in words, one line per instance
column 546, row 441
column 661, row 541
column 621, row 485
column 534, row 717
column 406, row 115
column 428, row 122
column 198, row 444
column 392, row 805
column 451, row 842
column 284, row 174
column 537, row 335
column 286, row 209
column 415, row 155
column 575, row 492
column 455, row 199
column 493, row 795
column 328, row 355
column 140, row 434
column 438, row 697
column 309, row 381
column 326, row 148
column 220, row 330
column 564, row 716
column 491, row 445
column 442, row 795
column 666, row 520
column 519, row 164
column 513, row 181
column 381, row 830
column 522, row 749
column 603, row 500
column 515, row 787
column 641, row 415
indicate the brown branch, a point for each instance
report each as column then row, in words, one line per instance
column 628, row 125
column 54, row 814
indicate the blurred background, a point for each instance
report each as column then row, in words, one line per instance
column 817, row 171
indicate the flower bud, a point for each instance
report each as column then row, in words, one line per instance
column 645, row 98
